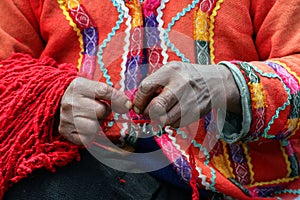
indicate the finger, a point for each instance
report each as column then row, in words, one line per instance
column 177, row 122
column 181, row 114
column 171, row 117
column 86, row 126
column 162, row 103
column 187, row 116
column 68, row 131
column 120, row 103
column 95, row 109
column 144, row 94
column 149, row 88
column 96, row 90
column 86, row 130
column 102, row 110
column 90, row 108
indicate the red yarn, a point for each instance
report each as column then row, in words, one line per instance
column 30, row 92
column 195, row 174
column 122, row 181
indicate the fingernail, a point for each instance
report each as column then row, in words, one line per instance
column 136, row 110
column 128, row 105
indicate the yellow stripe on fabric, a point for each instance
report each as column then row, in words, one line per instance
column 201, row 21
column 63, row 6
column 293, row 125
column 220, row 163
column 286, row 158
column 227, row 159
column 250, row 166
column 296, row 129
column 298, row 79
column 211, row 30
column 274, row 182
column 258, row 95
column 137, row 15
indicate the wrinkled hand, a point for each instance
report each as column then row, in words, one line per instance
column 82, row 107
column 179, row 93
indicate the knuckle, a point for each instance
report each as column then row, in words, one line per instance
column 66, row 104
column 102, row 89
column 139, row 98
column 161, row 102
column 172, row 95
column 78, row 83
column 175, row 65
column 145, row 87
column 63, row 130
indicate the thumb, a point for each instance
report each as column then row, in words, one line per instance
column 120, row 103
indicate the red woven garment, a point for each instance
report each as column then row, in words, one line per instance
column 30, row 93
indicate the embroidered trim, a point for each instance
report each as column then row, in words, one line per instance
column 206, row 5
column 227, row 159
column 135, row 54
column 124, row 58
column 293, row 124
column 203, row 177
column 135, row 9
column 107, row 40
column 277, row 181
column 249, row 69
column 162, row 31
column 287, row 78
column 211, row 30
column 127, row 42
column 201, row 37
column 286, row 158
column 107, row 77
column 87, row 35
column 219, row 163
column 289, row 191
column 259, row 96
column 250, row 166
column 153, row 40
column 172, row 23
column 292, row 158
column 201, row 148
column 264, row 191
column 279, row 109
column 63, row 7
column 258, row 113
column 288, row 69
column 240, row 163
column 201, row 21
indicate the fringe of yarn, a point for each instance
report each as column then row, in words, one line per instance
column 30, row 93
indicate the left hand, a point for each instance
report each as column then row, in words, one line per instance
column 180, row 93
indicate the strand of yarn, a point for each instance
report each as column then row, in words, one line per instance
column 194, row 173
column 30, row 92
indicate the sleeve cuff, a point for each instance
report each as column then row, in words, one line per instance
column 233, row 130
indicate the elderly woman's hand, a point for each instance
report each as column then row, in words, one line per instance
column 179, row 93
column 83, row 107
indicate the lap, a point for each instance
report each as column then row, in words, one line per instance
column 90, row 179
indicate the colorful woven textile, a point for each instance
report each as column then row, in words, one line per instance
column 121, row 42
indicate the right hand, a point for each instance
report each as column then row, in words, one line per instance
column 81, row 109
